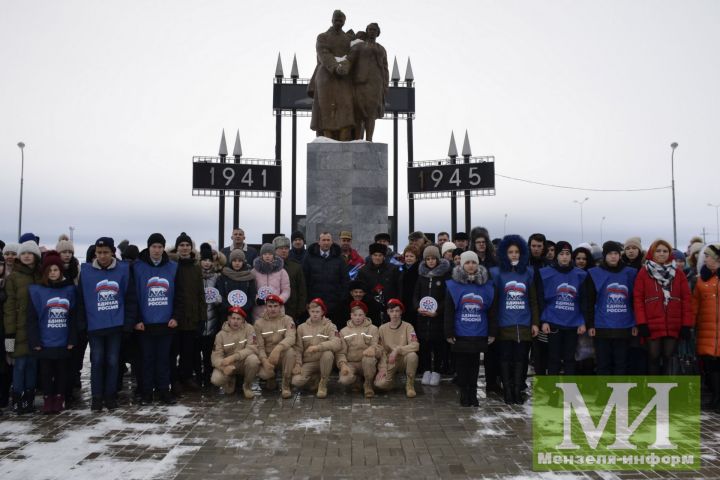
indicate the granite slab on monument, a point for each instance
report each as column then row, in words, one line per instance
column 347, row 189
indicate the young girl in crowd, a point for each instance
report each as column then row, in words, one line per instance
column 515, row 313
column 434, row 271
column 609, row 310
column 562, row 318
column 407, row 278
column 706, row 312
column 270, row 278
column 51, row 329
column 469, row 296
column 663, row 311
column 213, row 300
column 585, row 353
column 25, row 273
column 236, row 285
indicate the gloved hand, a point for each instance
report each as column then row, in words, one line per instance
column 10, row 345
column 685, row 333
column 643, row 330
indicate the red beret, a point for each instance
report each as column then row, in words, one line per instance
column 237, row 310
column 274, row 298
column 359, row 304
column 319, row 301
column 394, row 302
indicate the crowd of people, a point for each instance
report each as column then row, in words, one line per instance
column 187, row 318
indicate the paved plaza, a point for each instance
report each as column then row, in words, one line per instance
column 209, row 436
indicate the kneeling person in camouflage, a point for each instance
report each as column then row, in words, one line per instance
column 359, row 354
column 235, row 353
column 317, row 342
column 276, row 338
column 400, row 345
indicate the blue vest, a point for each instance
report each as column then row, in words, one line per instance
column 155, row 291
column 513, row 296
column 561, row 294
column 104, row 295
column 53, row 307
column 614, row 303
column 472, row 303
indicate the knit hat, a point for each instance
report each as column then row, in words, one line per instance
column 611, row 246
column 237, row 254
column 378, row 248
column 416, row 236
column 280, row 242
column 634, row 242
column 11, row 247
column 51, row 258
column 105, row 242
column 357, row 285
column 274, row 298
column 64, row 244
column 122, row 245
column 29, row 246
column 131, row 253
column 461, row 236
column 319, row 302
column 358, row 304
column 297, row 234
column 206, row 252
column 182, row 238
column 468, row 257
column 156, row 238
column 678, row 255
column 713, row 250
column 29, row 237
column 267, row 248
column 383, row 236
column 431, row 251
column 395, row 302
column 346, row 234
column 563, row 245
column 447, row 247
column 238, row 310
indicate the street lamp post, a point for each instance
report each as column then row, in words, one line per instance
column 505, row 225
column 602, row 220
column 673, row 145
column 582, row 228
column 22, row 174
column 717, row 219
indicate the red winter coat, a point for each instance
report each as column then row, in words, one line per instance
column 662, row 320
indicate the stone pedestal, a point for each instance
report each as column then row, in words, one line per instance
column 347, row 189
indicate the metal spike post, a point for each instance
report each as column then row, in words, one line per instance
column 279, row 68
column 453, row 153
column 466, row 153
column 409, row 77
column 237, row 153
column 395, row 77
column 294, row 71
column 221, row 207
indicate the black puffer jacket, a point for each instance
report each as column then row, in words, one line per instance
column 407, row 279
column 231, row 280
column 326, row 278
column 431, row 283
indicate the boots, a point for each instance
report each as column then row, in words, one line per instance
column 28, row 401
column 519, row 384
column 166, row 398
column 464, row 400
column 247, row 390
column 286, row 391
column 58, row 403
column 410, row 386
column 506, row 382
column 322, row 388
column 714, row 380
column 16, row 399
column 111, row 402
column 96, row 404
column 368, row 388
column 48, row 404
column 472, row 396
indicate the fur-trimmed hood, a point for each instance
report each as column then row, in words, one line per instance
column 461, row 276
column 440, row 270
column 268, row 268
column 506, row 242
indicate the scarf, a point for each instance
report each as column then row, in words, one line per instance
column 662, row 274
column 244, row 275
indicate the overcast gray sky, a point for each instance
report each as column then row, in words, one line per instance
column 114, row 98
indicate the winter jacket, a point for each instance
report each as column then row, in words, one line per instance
column 236, row 281
column 298, row 254
column 637, row 264
column 272, row 332
column 662, row 320
column 72, row 270
column 431, row 283
column 212, row 303
column 355, row 340
column 238, row 344
column 270, row 278
column 250, row 253
column 40, row 315
column 374, row 314
column 326, row 278
column 382, row 282
column 295, row 304
column 706, row 311
column 16, row 305
column 111, row 303
column 596, row 312
column 191, row 310
column 467, row 303
column 353, row 259
column 323, row 335
column 402, row 338
column 407, row 279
